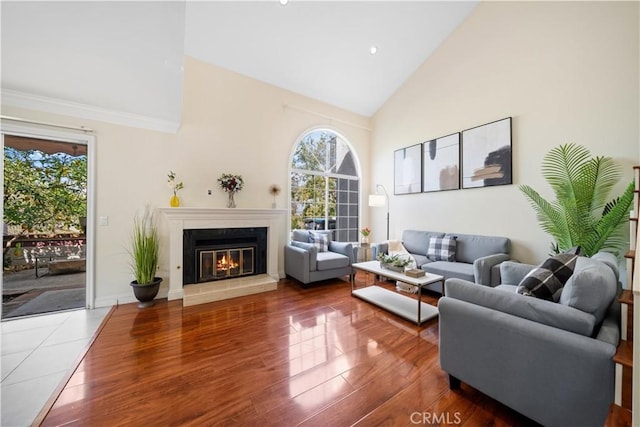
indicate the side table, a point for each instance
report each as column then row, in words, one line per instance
column 363, row 252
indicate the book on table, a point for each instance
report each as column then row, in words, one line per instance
column 414, row 272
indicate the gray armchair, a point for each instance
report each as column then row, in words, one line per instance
column 305, row 263
column 550, row 361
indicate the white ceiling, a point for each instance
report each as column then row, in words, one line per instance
column 127, row 56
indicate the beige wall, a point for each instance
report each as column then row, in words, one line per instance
column 565, row 72
column 232, row 124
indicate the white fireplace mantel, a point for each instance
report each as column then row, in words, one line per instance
column 180, row 219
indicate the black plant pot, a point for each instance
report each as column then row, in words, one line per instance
column 146, row 293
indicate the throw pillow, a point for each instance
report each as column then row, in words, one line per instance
column 319, row 240
column 576, row 250
column 543, row 282
column 442, row 249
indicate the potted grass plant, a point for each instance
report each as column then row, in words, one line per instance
column 144, row 248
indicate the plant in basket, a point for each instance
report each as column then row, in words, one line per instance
column 394, row 262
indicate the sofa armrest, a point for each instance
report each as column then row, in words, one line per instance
column 483, row 265
column 379, row 248
column 512, row 273
column 529, row 308
column 296, row 263
column 343, row 248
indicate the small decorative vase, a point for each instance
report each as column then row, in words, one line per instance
column 175, row 201
column 364, row 241
column 231, row 201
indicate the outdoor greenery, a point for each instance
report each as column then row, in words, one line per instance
column 582, row 214
column 313, row 194
column 144, row 248
column 44, row 193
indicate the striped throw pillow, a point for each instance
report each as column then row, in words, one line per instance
column 319, row 240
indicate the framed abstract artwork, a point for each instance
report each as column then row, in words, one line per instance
column 441, row 163
column 486, row 155
column 408, row 170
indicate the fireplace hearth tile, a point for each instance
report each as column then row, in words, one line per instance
column 202, row 293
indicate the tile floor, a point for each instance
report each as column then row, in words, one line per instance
column 37, row 353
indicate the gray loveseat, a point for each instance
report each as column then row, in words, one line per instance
column 304, row 262
column 550, row 361
column 477, row 258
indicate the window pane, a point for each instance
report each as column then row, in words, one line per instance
column 318, row 200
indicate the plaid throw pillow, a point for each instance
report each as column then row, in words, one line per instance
column 543, row 282
column 442, row 249
column 319, row 240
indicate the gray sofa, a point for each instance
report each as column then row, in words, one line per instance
column 477, row 258
column 305, row 263
column 550, row 361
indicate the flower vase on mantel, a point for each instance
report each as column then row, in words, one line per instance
column 231, row 201
column 175, row 201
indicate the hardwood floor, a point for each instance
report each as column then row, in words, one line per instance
column 293, row 356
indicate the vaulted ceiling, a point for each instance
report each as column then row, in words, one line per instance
column 127, row 56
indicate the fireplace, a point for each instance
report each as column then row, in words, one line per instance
column 195, row 219
column 224, row 253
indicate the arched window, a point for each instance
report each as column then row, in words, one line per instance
column 325, row 186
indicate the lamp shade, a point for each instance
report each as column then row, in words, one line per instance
column 377, row 200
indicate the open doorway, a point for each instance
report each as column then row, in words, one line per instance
column 45, row 237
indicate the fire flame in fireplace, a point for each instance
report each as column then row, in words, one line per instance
column 224, row 265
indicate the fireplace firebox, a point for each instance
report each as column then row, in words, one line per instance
column 223, row 253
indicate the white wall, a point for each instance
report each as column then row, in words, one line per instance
column 232, row 124
column 565, row 71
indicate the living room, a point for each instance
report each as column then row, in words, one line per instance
column 565, row 72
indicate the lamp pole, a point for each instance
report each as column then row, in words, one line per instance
column 386, row 195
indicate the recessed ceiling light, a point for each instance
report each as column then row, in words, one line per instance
column 284, row 2
column 373, row 50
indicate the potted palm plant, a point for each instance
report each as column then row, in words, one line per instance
column 582, row 214
column 144, row 248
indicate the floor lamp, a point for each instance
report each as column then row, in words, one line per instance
column 378, row 200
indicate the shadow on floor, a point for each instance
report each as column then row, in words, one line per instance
column 24, row 294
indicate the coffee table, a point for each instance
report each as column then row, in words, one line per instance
column 402, row 305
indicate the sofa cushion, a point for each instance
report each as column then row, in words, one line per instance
column 610, row 260
column 544, row 281
column 300, row 236
column 537, row 310
column 313, row 252
column 448, row 270
column 507, row 288
column 442, row 249
column 319, row 240
column 512, row 272
column 417, row 241
column 330, row 260
column 591, row 288
column 470, row 247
